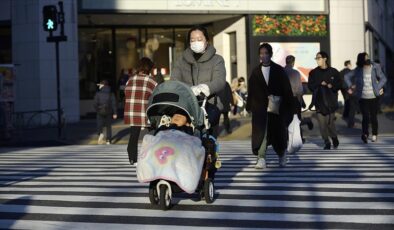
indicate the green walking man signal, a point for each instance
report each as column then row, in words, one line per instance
column 50, row 18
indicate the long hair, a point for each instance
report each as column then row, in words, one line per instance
column 361, row 59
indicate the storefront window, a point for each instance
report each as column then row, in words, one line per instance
column 95, row 60
column 180, row 43
column 127, row 50
column 156, row 45
column 5, row 45
column 100, row 59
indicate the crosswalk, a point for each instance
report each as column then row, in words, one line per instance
column 94, row 187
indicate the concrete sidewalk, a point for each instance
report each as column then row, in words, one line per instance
column 84, row 132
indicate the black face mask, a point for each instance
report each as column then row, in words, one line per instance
column 367, row 62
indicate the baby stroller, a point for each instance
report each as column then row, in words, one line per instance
column 174, row 161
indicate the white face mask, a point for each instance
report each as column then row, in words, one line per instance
column 197, row 46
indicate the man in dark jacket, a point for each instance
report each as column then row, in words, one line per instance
column 350, row 107
column 270, row 100
column 324, row 81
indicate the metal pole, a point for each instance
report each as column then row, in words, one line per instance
column 59, row 122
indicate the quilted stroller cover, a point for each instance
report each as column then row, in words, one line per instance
column 171, row 155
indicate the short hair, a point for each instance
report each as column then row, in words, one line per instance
column 347, row 62
column 266, row 46
column 290, row 59
column 241, row 79
column 323, row 54
column 144, row 65
column 200, row 28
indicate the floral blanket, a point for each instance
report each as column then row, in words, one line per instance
column 171, row 155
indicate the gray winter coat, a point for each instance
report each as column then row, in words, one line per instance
column 208, row 69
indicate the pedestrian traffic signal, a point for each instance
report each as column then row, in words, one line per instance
column 50, row 18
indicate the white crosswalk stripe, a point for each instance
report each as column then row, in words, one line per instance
column 94, row 187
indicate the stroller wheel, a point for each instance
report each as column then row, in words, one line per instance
column 165, row 197
column 209, row 191
column 153, row 195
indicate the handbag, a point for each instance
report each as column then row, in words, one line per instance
column 274, row 104
column 239, row 101
column 295, row 141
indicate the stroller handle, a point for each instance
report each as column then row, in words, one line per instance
column 202, row 99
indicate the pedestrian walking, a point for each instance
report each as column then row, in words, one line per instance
column 226, row 97
column 137, row 92
column 324, row 81
column 105, row 106
column 351, row 102
column 203, row 70
column 366, row 83
column 297, row 89
column 270, row 100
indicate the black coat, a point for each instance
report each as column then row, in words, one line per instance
column 226, row 97
column 325, row 99
column 257, row 103
column 278, row 85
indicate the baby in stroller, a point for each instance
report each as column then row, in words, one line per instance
column 180, row 156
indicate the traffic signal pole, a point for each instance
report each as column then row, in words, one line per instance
column 59, row 111
column 57, row 17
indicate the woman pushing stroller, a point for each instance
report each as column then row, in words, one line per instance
column 181, row 155
column 202, row 69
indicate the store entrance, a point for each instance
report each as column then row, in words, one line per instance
column 112, row 54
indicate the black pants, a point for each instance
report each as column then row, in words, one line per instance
column 353, row 108
column 104, row 121
column 132, row 146
column 369, row 110
column 226, row 122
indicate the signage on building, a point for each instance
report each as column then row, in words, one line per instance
column 207, row 6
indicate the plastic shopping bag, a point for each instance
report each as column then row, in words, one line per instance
column 295, row 140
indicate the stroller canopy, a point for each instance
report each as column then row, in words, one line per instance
column 170, row 97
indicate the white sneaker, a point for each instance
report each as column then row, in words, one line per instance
column 374, row 138
column 100, row 139
column 260, row 164
column 283, row 160
column 108, row 142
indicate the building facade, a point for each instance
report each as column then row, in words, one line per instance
column 106, row 39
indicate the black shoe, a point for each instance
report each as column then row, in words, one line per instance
column 327, row 146
column 335, row 142
column 364, row 138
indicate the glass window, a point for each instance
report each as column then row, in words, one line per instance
column 127, row 55
column 156, row 45
column 5, row 45
column 95, row 60
column 180, row 42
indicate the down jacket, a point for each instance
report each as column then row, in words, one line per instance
column 208, row 69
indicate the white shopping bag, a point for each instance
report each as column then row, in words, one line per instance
column 295, row 140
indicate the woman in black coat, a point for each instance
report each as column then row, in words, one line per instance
column 269, row 82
